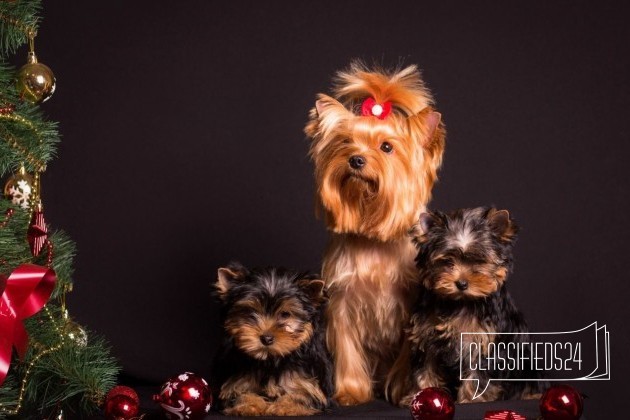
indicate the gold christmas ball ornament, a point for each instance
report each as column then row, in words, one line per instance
column 20, row 188
column 75, row 333
column 35, row 81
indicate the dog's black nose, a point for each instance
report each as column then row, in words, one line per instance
column 266, row 339
column 356, row 161
column 461, row 284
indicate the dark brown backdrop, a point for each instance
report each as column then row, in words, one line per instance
column 183, row 148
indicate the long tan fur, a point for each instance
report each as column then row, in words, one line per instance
column 368, row 265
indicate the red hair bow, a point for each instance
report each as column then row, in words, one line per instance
column 371, row 108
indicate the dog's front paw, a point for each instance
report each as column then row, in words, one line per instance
column 350, row 399
column 248, row 405
column 288, row 406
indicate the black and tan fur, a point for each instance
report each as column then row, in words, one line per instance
column 463, row 261
column 273, row 360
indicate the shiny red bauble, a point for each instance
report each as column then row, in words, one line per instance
column 186, row 396
column 561, row 402
column 432, row 404
column 121, row 403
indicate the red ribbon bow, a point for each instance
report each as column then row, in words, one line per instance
column 23, row 294
column 371, row 108
column 503, row 415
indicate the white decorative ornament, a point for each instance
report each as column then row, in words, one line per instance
column 21, row 194
column 377, row 110
column 182, row 412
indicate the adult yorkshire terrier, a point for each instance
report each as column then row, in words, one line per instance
column 273, row 360
column 464, row 258
column 377, row 144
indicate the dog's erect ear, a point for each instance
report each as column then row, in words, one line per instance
column 424, row 124
column 314, row 289
column 327, row 114
column 320, row 106
column 227, row 276
column 326, row 104
column 425, row 223
column 501, row 224
column 433, row 119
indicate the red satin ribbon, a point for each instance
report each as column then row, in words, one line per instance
column 23, row 294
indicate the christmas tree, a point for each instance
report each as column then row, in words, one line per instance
column 49, row 365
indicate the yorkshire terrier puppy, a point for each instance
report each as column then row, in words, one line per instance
column 376, row 144
column 274, row 359
column 463, row 262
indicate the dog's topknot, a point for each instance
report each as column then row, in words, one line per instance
column 403, row 87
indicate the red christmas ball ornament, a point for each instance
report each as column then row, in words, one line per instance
column 187, row 396
column 121, row 403
column 561, row 402
column 432, row 404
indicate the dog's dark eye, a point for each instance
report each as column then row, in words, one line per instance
column 387, row 147
column 284, row 314
column 445, row 262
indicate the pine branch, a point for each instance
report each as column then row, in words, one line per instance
column 14, row 248
column 64, row 250
column 75, row 377
column 8, row 395
column 18, row 21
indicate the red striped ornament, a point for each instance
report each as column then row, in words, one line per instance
column 37, row 233
column 502, row 415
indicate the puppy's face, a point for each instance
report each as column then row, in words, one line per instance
column 269, row 313
column 466, row 254
column 374, row 176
